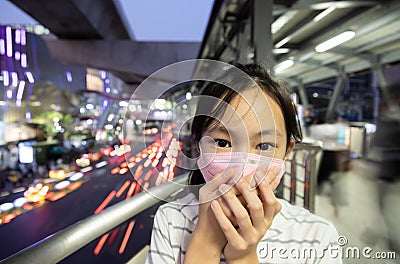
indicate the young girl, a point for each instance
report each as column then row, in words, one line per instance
column 244, row 129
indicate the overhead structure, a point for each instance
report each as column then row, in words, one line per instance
column 94, row 33
column 310, row 41
column 371, row 37
column 74, row 19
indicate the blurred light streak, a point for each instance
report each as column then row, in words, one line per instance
column 7, row 219
column 57, row 196
column 123, row 171
column 74, row 186
column 24, row 60
column 8, row 41
column 100, row 244
column 138, row 185
column 112, row 237
column 123, row 188
column 17, row 36
column 30, row 77
column 155, row 163
column 147, row 163
column 138, row 174
column 21, row 88
column 115, row 170
column 131, row 189
column 148, row 175
column 105, row 202
column 2, row 47
column 86, row 169
column 126, row 237
column 23, row 37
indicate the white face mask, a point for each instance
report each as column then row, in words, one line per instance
column 213, row 163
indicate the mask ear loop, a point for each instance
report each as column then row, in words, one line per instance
column 202, row 145
column 283, row 166
column 257, row 184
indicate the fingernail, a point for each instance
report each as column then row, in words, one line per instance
column 228, row 172
column 278, row 179
column 253, row 185
column 237, row 177
column 214, row 204
column 276, row 169
column 224, row 188
column 259, row 176
column 231, row 169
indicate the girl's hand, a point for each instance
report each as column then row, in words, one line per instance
column 208, row 240
column 254, row 217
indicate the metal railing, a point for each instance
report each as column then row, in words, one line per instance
column 60, row 245
column 299, row 183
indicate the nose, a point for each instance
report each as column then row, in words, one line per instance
column 242, row 146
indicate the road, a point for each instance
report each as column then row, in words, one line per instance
column 108, row 182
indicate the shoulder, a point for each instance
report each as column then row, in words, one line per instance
column 300, row 222
column 296, row 213
column 183, row 208
column 174, row 223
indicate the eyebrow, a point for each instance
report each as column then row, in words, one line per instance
column 221, row 129
column 269, row 132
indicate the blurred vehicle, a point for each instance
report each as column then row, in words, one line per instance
column 94, row 157
column 83, row 161
column 61, row 171
column 59, row 174
column 106, row 151
column 36, row 193
column 151, row 130
column 120, row 150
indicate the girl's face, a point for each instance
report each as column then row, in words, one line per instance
column 253, row 123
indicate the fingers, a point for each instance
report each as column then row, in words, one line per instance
column 276, row 170
column 263, row 173
column 248, row 201
column 251, row 224
column 253, row 214
column 227, row 211
column 270, row 203
column 210, row 190
column 254, row 206
column 225, row 224
column 219, row 179
column 239, row 211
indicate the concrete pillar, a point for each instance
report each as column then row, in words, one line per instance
column 330, row 113
column 246, row 53
column 262, row 19
column 383, row 85
column 302, row 94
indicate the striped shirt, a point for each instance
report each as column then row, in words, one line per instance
column 295, row 236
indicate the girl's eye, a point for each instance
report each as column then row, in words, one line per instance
column 223, row 143
column 265, row 146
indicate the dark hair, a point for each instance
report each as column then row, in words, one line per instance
column 255, row 74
